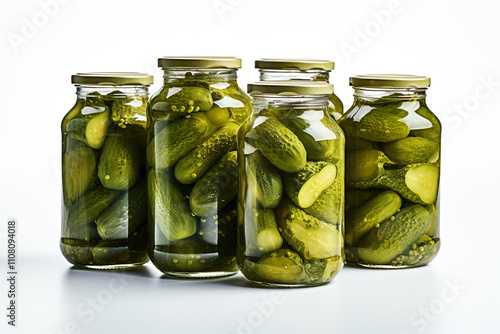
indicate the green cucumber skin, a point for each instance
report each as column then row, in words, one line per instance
column 125, row 215
column 374, row 211
column 177, row 139
column 191, row 167
column 81, row 216
column 410, row 150
column 218, row 186
column 169, row 208
column 316, row 149
column 376, row 125
column 280, row 145
column 382, row 244
column 268, row 179
column 120, row 162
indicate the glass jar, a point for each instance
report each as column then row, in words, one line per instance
column 193, row 176
column 104, row 206
column 291, row 199
column 393, row 144
column 301, row 69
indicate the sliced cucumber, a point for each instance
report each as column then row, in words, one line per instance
column 423, row 181
column 304, row 187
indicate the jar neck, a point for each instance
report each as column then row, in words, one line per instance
column 298, row 102
column 83, row 92
column 210, row 75
column 395, row 94
column 310, row 75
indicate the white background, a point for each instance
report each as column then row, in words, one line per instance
column 456, row 43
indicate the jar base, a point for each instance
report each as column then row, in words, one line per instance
column 110, row 266
column 288, row 286
column 385, row 266
column 199, row 275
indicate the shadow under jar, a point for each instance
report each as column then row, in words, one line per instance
column 393, row 144
column 104, row 209
column 291, row 199
column 193, row 172
column 301, row 69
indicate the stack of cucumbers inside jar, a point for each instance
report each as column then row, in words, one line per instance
column 392, row 173
column 203, row 180
column 291, row 200
column 193, row 122
column 104, row 209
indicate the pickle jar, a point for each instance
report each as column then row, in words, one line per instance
column 301, row 69
column 193, row 174
column 104, row 209
column 291, row 199
column 393, row 144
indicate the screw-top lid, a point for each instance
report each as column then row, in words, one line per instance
column 199, row 62
column 290, row 87
column 390, row 81
column 112, row 78
column 294, row 64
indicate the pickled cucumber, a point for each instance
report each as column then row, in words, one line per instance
column 125, row 214
column 90, row 126
column 282, row 266
column 365, row 166
column 376, row 125
column 417, row 183
column 304, row 187
column 433, row 130
column 383, row 244
column 323, row 270
column 177, row 139
column 312, row 128
column 169, row 208
column 217, row 187
column 81, row 216
column 309, row 236
column 410, row 150
column 120, row 162
column 371, row 213
column 192, row 166
column 265, row 178
column 280, row 145
column 268, row 236
column 79, row 165
column 328, row 206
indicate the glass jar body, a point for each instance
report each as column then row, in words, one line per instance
column 393, row 144
column 291, row 199
column 193, row 175
column 335, row 105
column 104, row 210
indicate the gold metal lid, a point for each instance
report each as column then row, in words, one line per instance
column 289, row 88
column 294, row 64
column 390, row 81
column 112, row 78
column 199, row 62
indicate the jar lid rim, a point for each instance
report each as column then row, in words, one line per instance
column 199, row 62
column 112, row 78
column 294, row 64
column 390, row 81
